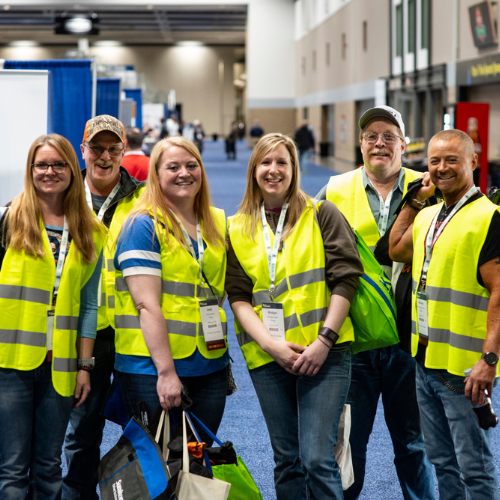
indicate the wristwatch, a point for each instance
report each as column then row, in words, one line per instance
column 490, row 357
column 329, row 333
column 86, row 364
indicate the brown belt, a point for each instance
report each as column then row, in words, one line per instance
column 423, row 340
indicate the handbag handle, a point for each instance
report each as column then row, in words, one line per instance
column 186, row 414
column 204, row 428
column 166, row 434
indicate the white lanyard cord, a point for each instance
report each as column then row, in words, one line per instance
column 433, row 235
column 62, row 255
column 106, row 203
column 272, row 253
column 201, row 248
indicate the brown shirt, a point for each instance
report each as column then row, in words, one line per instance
column 342, row 264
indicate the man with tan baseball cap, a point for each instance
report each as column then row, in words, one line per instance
column 111, row 193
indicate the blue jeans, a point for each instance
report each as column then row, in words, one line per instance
column 391, row 372
column 84, row 434
column 208, row 393
column 458, row 448
column 303, row 160
column 302, row 416
column 33, row 420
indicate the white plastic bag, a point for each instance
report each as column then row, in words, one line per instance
column 343, row 449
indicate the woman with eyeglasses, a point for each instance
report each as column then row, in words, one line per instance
column 50, row 262
column 293, row 269
column 170, row 266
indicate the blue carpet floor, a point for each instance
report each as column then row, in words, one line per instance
column 243, row 423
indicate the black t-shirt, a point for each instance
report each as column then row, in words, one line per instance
column 491, row 246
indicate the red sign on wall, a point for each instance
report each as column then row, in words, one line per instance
column 474, row 118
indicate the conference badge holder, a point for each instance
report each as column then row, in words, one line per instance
column 212, row 325
column 423, row 329
column 274, row 319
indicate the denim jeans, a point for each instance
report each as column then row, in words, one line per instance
column 84, row 434
column 302, row 416
column 208, row 393
column 457, row 447
column 33, row 420
column 303, row 160
column 391, row 372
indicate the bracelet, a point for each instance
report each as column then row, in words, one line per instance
column 87, row 368
column 323, row 342
column 414, row 207
column 421, row 203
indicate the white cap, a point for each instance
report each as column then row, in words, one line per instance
column 386, row 112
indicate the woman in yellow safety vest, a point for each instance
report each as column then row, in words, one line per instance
column 293, row 269
column 50, row 263
column 170, row 266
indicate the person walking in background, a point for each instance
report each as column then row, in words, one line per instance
column 199, row 135
column 170, row 257
column 231, row 141
column 455, row 250
column 368, row 197
column 50, row 263
column 290, row 304
column 304, row 139
column 111, row 193
column 134, row 160
column 256, row 132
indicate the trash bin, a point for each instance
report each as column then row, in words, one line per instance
column 325, row 149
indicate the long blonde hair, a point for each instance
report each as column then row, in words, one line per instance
column 252, row 199
column 153, row 199
column 23, row 217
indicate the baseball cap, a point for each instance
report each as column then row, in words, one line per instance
column 384, row 111
column 104, row 123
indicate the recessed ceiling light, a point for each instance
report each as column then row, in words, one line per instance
column 79, row 25
column 107, row 43
column 190, row 43
column 23, row 43
column 150, row 7
column 6, row 7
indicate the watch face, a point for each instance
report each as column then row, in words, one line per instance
column 491, row 358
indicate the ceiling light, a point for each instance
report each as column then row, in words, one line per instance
column 6, row 7
column 107, row 43
column 76, row 25
column 150, row 7
column 190, row 43
column 23, row 43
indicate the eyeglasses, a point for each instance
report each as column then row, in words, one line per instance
column 59, row 167
column 99, row 150
column 387, row 137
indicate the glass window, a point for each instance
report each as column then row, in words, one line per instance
column 399, row 30
column 412, row 18
column 424, row 32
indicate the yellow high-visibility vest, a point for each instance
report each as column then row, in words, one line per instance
column 26, row 286
column 300, row 282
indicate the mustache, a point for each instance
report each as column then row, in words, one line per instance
column 102, row 163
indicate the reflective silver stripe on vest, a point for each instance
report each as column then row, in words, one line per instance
column 291, row 322
column 414, row 327
column 129, row 322
column 443, row 336
column 296, row 281
column 67, row 322
column 178, row 288
column 121, row 285
column 103, row 299
column 224, row 328
column 413, row 285
column 21, row 337
column 111, row 265
column 26, row 293
column 64, row 365
column 457, row 298
column 111, row 301
column 314, row 316
column 244, row 338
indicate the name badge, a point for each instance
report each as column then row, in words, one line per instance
column 274, row 319
column 212, row 325
column 50, row 328
column 422, row 314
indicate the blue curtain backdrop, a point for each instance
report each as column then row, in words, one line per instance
column 72, row 96
column 108, row 97
column 136, row 95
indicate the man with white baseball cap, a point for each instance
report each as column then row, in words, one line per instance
column 368, row 197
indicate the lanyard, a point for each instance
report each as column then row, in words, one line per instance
column 433, row 235
column 201, row 248
column 62, row 255
column 106, row 204
column 272, row 253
